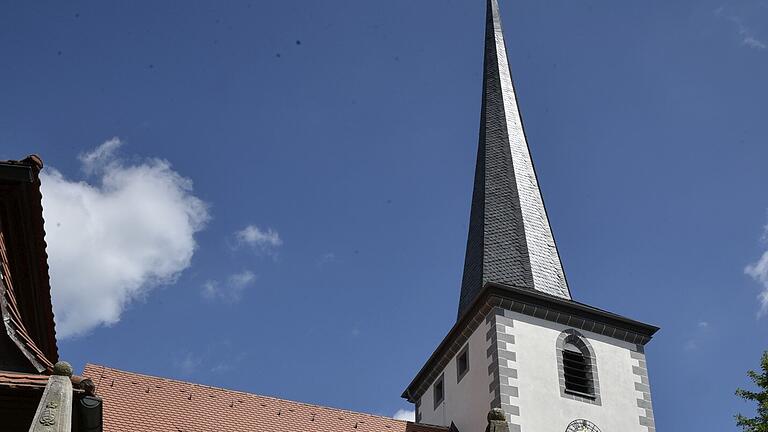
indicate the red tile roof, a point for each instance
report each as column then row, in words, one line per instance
column 13, row 380
column 142, row 403
column 26, row 293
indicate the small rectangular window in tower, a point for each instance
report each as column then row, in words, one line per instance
column 462, row 363
column 439, row 391
column 418, row 410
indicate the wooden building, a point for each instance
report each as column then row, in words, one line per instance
column 32, row 380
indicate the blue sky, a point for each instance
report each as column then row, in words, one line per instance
column 277, row 192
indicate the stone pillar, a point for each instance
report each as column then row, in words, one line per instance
column 54, row 413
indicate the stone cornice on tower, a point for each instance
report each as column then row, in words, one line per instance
column 510, row 240
column 535, row 304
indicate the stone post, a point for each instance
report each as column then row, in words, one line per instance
column 54, row 412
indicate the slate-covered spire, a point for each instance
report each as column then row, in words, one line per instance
column 510, row 240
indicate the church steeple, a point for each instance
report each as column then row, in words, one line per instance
column 517, row 326
column 510, row 240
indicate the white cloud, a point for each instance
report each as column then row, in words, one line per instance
column 231, row 362
column 112, row 240
column 232, row 290
column 100, row 156
column 254, row 237
column 747, row 35
column 217, row 357
column 211, row 289
column 221, row 367
column 752, row 42
column 189, row 364
column 759, row 272
column 404, row 414
column 325, row 259
column 697, row 337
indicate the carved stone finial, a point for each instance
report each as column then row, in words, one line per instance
column 497, row 421
column 496, row 414
column 88, row 386
column 63, row 368
column 35, row 161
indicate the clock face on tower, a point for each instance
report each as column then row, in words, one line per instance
column 582, row 426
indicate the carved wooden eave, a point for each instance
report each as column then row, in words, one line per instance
column 25, row 297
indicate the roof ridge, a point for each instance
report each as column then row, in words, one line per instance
column 107, row 368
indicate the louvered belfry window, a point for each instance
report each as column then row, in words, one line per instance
column 577, row 371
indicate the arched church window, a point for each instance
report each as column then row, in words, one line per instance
column 577, row 367
column 576, row 370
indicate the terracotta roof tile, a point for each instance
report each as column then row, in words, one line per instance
column 142, row 403
column 15, row 380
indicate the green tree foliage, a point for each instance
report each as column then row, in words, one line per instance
column 759, row 423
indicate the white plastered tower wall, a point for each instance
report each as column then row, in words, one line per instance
column 466, row 402
column 538, row 402
column 514, row 366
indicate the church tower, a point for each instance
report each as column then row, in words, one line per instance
column 521, row 343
